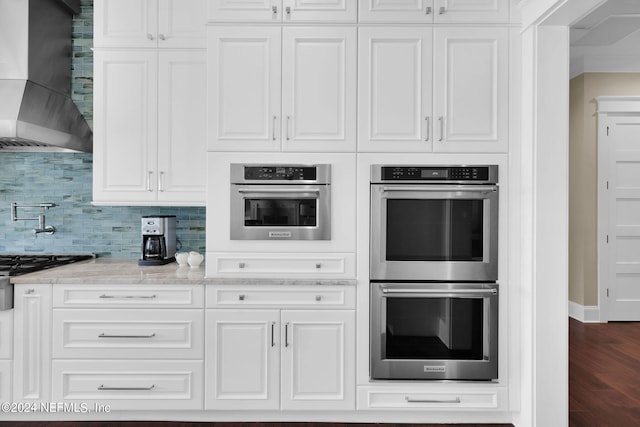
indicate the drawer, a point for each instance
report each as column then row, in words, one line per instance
column 6, row 334
column 304, row 296
column 128, row 334
column 436, row 400
column 5, row 381
column 129, row 385
column 128, row 296
column 317, row 266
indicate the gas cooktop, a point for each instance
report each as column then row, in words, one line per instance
column 15, row 265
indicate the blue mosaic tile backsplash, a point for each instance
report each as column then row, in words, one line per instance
column 66, row 180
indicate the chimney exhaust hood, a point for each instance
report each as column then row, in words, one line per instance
column 36, row 110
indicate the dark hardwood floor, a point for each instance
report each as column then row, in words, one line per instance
column 604, row 374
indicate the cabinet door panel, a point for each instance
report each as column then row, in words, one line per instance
column 318, row 360
column 395, row 95
column 474, row 11
column 244, row 88
column 320, row 10
column 181, row 23
column 471, row 98
column 6, row 334
column 396, row 11
column 126, row 23
column 244, row 10
column 182, row 122
column 242, row 359
column 319, row 68
column 125, row 126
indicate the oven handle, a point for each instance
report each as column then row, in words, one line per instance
column 276, row 190
column 438, row 292
column 465, row 188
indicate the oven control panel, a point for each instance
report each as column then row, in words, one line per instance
column 435, row 173
column 280, row 173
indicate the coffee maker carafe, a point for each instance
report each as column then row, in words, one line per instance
column 158, row 240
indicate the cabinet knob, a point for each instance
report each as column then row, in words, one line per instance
column 150, row 36
column 288, row 11
column 30, row 291
column 443, row 10
column 318, row 265
column 241, row 265
column 428, row 11
column 274, row 11
column 242, row 297
column 318, row 298
column 161, row 37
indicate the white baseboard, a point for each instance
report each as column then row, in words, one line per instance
column 584, row 314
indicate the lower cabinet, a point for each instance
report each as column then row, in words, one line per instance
column 280, row 359
column 5, row 381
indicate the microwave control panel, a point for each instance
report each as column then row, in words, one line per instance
column 279, row 173
column 435, row 173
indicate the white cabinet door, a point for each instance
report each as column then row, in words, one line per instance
column 470, row 89
column 319, row 10
column 319, row 89
column 6, row 334
column 181, row 23
column 244, row 88
column 182, row 106
column 242, row 359
column 32, row 343
column 125, row 126
column 125, row 23
column 395, row 98
column 395, row 11
column 5, row 381
column 473, row 11
column 318, row 360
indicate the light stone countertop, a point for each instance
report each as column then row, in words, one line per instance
column 102, row 271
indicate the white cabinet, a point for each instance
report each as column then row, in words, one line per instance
column 266, row 358
column 5, row 381
column 282, row 10
column 150, row 131
column 461, row 107
column 32, row 343
column 150, row 23
column 6, row 354
column 290, row 89
column 438, row 11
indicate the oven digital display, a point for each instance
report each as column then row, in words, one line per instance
column 434, row 173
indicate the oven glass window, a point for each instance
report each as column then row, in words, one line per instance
column 434, row 230
column 280, row 212
column 434, row 328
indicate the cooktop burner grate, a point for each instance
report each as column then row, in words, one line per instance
column 15, row 265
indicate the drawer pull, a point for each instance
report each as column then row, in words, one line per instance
column 241, row 265
column 105, row 296
column 103, row 335
column 410, row 400
column 242, row 297
column 105, row 388
column 318, row 265
column 318, row 297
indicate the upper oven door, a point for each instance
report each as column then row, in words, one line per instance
column 280, row 212
column 434, row 232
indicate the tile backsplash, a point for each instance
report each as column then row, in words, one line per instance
column 66, row 180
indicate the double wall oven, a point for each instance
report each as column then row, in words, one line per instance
column 433, row 271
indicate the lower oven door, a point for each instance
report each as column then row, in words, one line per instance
column 434, row 331
column 280, row 212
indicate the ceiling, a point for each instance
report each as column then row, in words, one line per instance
column 608, row 39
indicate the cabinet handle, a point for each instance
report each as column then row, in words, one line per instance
column 30, row 291
column 161, row 182
column 428, row 11
column 161, row 37
column 318, row 266
column 273, row 133
column 105, row 296
column 241, row 265
column 318, row 298
column 288, row 11
column 273, row 333
column 426, row 119
column 288, row 122
column 443, row 10
column 410, row 400
column 149, row 176
column 441, row 120
column 286, row 334
column 242, row 297
column 105, row 388
column 274, row 11
column 149, row 36
column 103, row 335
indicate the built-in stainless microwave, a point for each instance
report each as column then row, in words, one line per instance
column 280, row 202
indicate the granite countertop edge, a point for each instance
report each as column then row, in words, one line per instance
column 103, row 271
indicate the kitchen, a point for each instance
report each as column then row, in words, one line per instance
column 125, row 223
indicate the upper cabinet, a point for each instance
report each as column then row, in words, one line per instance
column 460, row 106
column 274, row 88
column 150, row 23
column 434, row 11
column 282, row 10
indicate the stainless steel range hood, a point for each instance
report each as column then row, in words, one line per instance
column 36, row 110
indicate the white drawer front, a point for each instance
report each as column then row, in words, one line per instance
column 130, row 385
column 420, row 400
column 281, row 265
column 281, row 296
column 6, row 334
column 128, row 296
column 132, row 334
column 5, row 380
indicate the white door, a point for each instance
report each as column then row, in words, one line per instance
column 319, row 89
column 395, row 89
column 470, row 90
column 396, row 11
column 244, row 96
column 474, row 11
column 242, row 359
column 182, row 106
column 182, row 23
column 126, row 23
column 621, row 135
column 318, row 359
column 244, row 10
column 125, row 126
column 322, row 11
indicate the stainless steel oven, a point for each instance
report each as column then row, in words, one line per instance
column 434, row 223
column 280, row 202
column 434, row 331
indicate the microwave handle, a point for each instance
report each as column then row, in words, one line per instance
column 434, row 188
column 439, row 292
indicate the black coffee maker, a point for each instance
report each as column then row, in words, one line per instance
column 158, row 240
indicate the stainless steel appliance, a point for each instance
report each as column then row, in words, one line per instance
column 6, row 294
column 158, row 240
column 15, row 264
column 280, row 202
column 434, row 223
